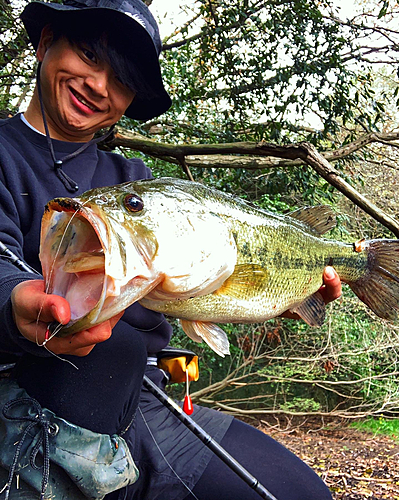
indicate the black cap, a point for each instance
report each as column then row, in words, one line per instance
column 140, row 31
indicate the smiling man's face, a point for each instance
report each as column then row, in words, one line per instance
column 81, row 94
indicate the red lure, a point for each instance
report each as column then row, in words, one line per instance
column 188, row 404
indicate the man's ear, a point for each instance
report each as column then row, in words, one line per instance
column 46, row 39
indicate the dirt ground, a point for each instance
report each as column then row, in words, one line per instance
column 355, row 465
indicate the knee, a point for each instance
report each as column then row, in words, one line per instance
column 315, row 489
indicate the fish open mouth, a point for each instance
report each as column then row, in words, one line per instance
column 92, row 260
column 73, row 259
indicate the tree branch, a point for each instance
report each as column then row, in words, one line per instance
column 323, row 168
column 296, row 154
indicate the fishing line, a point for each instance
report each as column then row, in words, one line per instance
column 177, row 411
column 48, row 287
column 164, row 457
column 59, row 357
column 46, row 339
column 59, row 326
column 6, row 253
column 152, row 328
column 62, row 240
column 23, row 266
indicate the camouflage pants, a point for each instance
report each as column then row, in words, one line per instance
column 43, row 456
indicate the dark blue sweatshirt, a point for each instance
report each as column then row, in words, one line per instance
column 27, row 182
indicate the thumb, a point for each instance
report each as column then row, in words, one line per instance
column 31, row 302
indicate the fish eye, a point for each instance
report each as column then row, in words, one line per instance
column 133, row 203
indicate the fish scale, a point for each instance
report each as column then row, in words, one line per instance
column 289, row 276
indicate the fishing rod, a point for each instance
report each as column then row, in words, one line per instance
column 4, row 250
column 174, row 408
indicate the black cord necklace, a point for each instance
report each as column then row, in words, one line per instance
column 69, row 183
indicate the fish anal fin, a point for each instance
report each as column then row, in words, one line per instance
column 312, row 310
column 321, row 218
column 189, row 330
column 210, row 333
column 247, row 280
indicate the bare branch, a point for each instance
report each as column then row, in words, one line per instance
column 301, row 153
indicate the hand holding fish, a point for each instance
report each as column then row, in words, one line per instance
column 330, row 291
column 30, row 302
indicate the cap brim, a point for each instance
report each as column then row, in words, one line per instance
column 36, row 15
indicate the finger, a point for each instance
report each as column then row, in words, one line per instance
column 31, row 303
column 332, row 288
column 94, row 335
column 83, row 342
column 53, row 308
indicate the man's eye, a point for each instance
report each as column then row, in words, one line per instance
column 89, row 55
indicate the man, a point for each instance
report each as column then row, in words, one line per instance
column 98, row 60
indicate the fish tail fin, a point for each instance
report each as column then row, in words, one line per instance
column 379, row 287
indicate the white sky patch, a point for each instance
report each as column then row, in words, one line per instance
column 347, row 8
column 170, row 14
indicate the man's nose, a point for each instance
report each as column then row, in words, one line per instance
column 98, row 83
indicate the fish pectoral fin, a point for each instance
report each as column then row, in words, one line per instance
column 212, row 334
column 321, row 218
column 247, row 280
column 312, row 310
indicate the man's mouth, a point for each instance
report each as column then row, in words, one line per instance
column 83, row 100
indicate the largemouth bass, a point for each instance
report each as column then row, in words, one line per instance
column 202, row 256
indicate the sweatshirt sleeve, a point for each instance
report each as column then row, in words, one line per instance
column 11, row 340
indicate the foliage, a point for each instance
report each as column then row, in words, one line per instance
column 380, row 425
column 262, row 75
column 281, row 72
column 16, row 61
column 260, row 63
column 253, row 70
column 348, row 367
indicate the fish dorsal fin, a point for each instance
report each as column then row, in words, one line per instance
column 247, row 280
column 312, row 310
column 321, row 218
column 212, row 334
